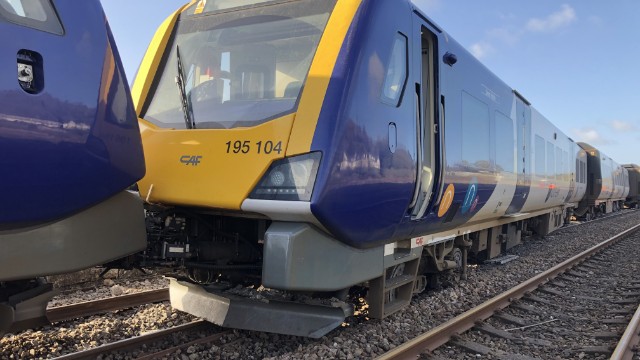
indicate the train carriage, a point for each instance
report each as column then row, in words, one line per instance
column 633, row 198
column 317, row 146
column 70, row 147
column 608, row 184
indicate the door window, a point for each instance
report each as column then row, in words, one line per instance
column 396, row 72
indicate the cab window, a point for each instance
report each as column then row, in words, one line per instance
column 37, row 14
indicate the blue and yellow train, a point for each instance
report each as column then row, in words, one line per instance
column 319, row 148
column 70, row 147
column 316, row 146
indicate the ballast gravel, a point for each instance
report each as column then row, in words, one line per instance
column 358, row 338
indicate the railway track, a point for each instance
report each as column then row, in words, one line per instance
column 577, row 309
column 88, row 308
column 150, row 345
column 74, row 336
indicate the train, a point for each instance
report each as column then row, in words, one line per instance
column 289, row 156
column 71, row 148
column 319, row 148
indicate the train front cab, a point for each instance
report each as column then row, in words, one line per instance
column 70, row 147
column 245, row 153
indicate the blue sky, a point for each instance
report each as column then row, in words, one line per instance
column 575, row 61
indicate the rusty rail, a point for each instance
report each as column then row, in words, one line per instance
column 629, row 340
column 441, row 334
column 88, row 308
column 133, row 342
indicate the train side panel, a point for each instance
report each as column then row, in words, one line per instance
column 552, row 170
column 69, row 144
column 70, row 140
column 368, row 170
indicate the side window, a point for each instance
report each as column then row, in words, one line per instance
column 37, row 14
column 565, row 163
column 396, row 77
column 559, row 167
column 551, row 161
column 540, row 160
column 504, row 143
column 476, row 145
column 581, row 174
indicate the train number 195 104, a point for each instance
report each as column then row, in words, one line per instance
column 259, row 147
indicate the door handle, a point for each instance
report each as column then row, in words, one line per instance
column 393, row 137
column 30, row 71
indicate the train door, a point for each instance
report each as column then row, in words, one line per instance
column 425, row 54
column 523, row 136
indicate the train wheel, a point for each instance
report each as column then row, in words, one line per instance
column 453, row 276
column 588, row 216
column 201, row 276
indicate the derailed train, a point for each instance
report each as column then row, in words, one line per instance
column 70, row 146
column 316, row 146
column 310, row 146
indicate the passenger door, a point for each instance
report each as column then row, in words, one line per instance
column 424, row 54
column 523, row 136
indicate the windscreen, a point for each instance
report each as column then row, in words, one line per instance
column 237, row 68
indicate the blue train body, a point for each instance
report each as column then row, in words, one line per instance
column 75, row 141
column 363, row 188
column 70, row 147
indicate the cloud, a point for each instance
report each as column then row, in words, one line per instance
column 511, row 34
column 623, row 126
column 562, row 18
column 481, row 49
column 591, row 136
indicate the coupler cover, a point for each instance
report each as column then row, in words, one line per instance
column 232, row 311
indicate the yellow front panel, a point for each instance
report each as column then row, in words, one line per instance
column 320, row 73
column 209, row 168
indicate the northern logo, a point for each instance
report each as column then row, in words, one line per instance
column 193, row 160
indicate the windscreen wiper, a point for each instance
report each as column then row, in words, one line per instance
column 186, row 103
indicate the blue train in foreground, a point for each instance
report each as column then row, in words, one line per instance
column 318, row 147
column 69, row 147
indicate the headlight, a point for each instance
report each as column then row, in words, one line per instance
column 289, row 179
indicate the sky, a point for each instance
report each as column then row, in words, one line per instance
column 577, row 62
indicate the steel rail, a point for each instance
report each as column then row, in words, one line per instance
column 629, row 340
column 132, row 342
column 441, row 334
column 88, row 308
column 166, row 352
